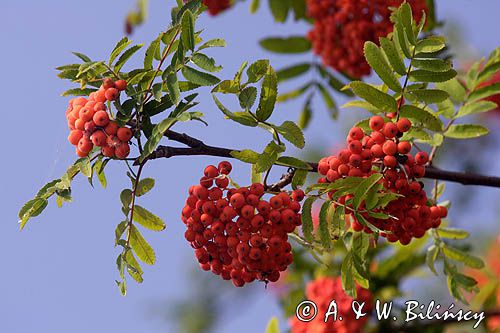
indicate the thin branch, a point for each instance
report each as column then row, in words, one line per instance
column 198, row 147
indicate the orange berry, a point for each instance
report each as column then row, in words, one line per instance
column 100, row 96
column 108, row 83
column 121, row 85
column 111, row 94
column 108, row 151
column 101, row 118
column 99, row 138
column 124, row 134
column 79, row 153
column 86, row 114
column 111, row 128
column 75, row 136
column 85, row 145
column 80, row 124
column 123, row 150
column 113, row 141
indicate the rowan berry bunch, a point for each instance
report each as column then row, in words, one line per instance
column 235, row 232
column 91, row 125
column 410, row 215
column 215, row 7
column 341, row 27
column 322, row 291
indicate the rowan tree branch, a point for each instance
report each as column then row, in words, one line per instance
column 198, row 147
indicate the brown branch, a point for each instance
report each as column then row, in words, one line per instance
column 198, row 147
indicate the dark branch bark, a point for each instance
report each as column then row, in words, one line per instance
column 198, row 147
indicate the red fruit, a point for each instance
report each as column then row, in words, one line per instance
column 111, row 94
column 124, row 134
column 404, row 125
column 99, row 106
column 404, row 147
column 237, row 200
column 108, row 83
column 390, row 130
column 86, row 114
column 80, row 124
column 356, row 133
column 121, row 85
column 85, row 145
column 99, row 138
column 75, row 136
column 111, row 128
column 421, row 158
column 298, row 195
column 80, row 153
column 376, row 123
column 390, row 161
column 108, row 151
column 390, row 148
column 225, row 167
column 122, row 151
column 101, row 118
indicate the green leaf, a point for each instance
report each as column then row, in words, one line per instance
column 484, row 92
column 120, row 46
column 307, row 222
column 298, row 92
column 152, row 50
column 126, row 56
column 427, row 118
column 347, row 273
column 120, row 229
column 78, row 92
column 467, row 259
column 406, row 18
column 421, row 75
column 173, row 88
column 465, row 131
column 323, row 229
column 374, row 96
column 246, row 155
column 476, row 107
column 145, row 185
column 133, row 267
column 257, row 70
column 363, row 188
column 244, row 118
column 205, row 62
column 31, row 209
column 156, row 136
column 279, row 9
column 292, row 133
column 254, row 6
column 85, row 167
column 293, row 162
column 187, row 31
column 454, row 88
column 433, row 64
column 378, row 62
column 293, row 44
column 429, row 96
column 430, row 44
column 269, row 156
column 273, row 326
column 141, row 247
column 148, row 219
column 431, row 256
column 292, row 71
column 305, row 115
column 227, row 87
column 216, row 42
column 247, row 97
column 268, row 95
column 299, row 178
column 82, row 56
column 197, row 77
column 126, row 197
column 393, row 55
column 329, row 102
column 452, row 233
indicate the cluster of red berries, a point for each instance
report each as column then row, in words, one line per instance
column 215, row 7
column 382, row 151
column 322, row 291
column 341, row 28
column 235, row 232
column 91, row 125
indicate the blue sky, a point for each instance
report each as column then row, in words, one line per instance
column 58, row 275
